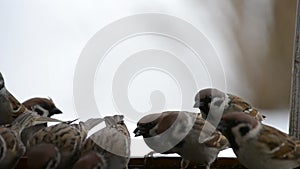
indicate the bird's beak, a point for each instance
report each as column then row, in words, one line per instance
column 137, row 132
column 56, row 111
column 198, row 104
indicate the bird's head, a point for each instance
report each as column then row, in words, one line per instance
column 146, row 124
column 237, row 127
column 208, row 99
column 42, row 106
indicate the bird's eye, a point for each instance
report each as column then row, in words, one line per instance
column 39, row 112
column 150, row 124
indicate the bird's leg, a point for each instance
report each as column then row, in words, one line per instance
column 207, row 166
column 184, row 163
column 150, row 154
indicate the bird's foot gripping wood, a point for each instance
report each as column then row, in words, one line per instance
column 149, row 155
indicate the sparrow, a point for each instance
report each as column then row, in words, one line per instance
column 10, row 107
column 68, row 138
column 184, row 133
column 65, row 137
column 11, row 149
column 43, row 107
column 11, row 146
column 90, row 160
column 218, row 103
column 43, row 156
column 112, row 141
column 259, row 146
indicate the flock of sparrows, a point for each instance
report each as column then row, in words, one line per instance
column 65, row 145
column 234, row 124
column 239, row 126
column 190, row 134
column 225, row 121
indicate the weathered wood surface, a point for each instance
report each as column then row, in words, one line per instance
column 295, row 90
column 174, row 163
column 167, row 163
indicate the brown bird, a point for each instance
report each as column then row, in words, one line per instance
column 43, row 107
column 259, row 146
column 11, row 147
column 10, row 107
column 43, row 156
column 216, row 102
column 113, row 142
column 66, row 137
column 184, row 133
column 90, row 160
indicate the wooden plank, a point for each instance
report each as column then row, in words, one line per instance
column 295, row 89
column 165, row 163
column 174, row 163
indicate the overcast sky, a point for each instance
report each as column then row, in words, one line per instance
column 41, row 43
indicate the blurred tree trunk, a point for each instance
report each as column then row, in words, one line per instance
column 295, row 92
column 266, row 65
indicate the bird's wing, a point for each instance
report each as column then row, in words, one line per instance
column 279, row 144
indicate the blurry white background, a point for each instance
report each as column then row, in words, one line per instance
column 41, row 41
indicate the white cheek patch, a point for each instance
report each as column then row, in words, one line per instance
column 45, row 112
column 218, row 105
column 216, row 111
column 236, row 133
column 239, row 139
column 254, row 132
